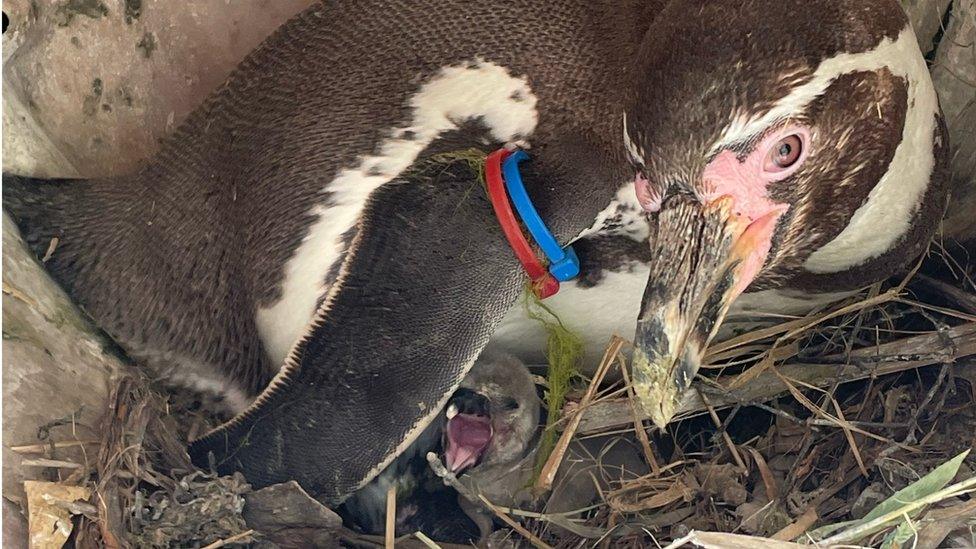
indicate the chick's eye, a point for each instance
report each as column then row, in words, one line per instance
column 509, row 404
column 784, row 154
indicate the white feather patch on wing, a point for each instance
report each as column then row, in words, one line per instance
column 459, row 93
column 625, row 212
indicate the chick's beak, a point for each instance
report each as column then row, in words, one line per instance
column 468, row 431
column 704, row 257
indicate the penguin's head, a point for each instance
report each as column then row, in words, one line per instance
column 770, row 140
column 493, row 417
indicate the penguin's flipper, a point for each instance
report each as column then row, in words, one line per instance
column 425, row 281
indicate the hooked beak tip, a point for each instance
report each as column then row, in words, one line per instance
column 656, row 395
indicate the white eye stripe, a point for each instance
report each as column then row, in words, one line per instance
column 748, row 144
column 890, row 54
column 887, row 213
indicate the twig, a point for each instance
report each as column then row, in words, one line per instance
column 928, row 307
column 849, row 436
column 796, row 327
column 426, row 541
column 725, row 434
column 51, row 246
column 796, row 528
column 548, row 474
column 228, row 541
column 810, row 405
column 645, row 442
column 721, row 539
column 390, row 534
column 41, row 448
column 875, row 289
column 51, row 463
column 451, row 480
column 533, row 539
column 883, row 359
column 681, row 542
column 929, row 396
column 962, row 298
column 785, row 415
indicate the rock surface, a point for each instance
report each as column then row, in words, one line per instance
column 15, row 532
column 926, row 17
column 136, row 68
column 954, row 74
column 55, row 367
column 286, row 515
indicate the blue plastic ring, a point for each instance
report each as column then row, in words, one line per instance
column 563, row 262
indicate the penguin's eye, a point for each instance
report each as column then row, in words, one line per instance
column 784, row 154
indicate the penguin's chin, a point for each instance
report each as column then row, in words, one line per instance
column 466, row 438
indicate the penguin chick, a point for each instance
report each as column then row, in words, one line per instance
column 493, row 418
column 365, row 509
column 504, row 473
column 490, row 421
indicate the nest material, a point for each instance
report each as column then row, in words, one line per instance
column 795, row 431
column 200, row 509
column 148, row 493
column 803, row 431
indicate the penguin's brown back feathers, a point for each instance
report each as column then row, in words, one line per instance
column 113, row 255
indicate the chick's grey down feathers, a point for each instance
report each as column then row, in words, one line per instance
column 505, row 391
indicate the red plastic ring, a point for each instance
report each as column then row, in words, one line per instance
column 543, row 283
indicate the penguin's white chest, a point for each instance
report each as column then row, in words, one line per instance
column 611, row 308
column 592, row 313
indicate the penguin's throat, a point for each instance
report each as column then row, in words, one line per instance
column 466, row 438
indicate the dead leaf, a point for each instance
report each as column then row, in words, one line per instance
column 769, row 480
column 48, row 516
column 938, row 523
column 675, row 492
column 722, row 482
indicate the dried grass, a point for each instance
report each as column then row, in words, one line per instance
column 898, row 402
column 806, row 424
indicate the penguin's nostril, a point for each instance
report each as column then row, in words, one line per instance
column 6, row 21
column 648, row 197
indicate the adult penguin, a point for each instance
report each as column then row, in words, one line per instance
column 301, row 215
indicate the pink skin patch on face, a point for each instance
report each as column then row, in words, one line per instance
column 745, row 183
column 467, row 438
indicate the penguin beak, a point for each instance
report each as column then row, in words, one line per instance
column 705, row 256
